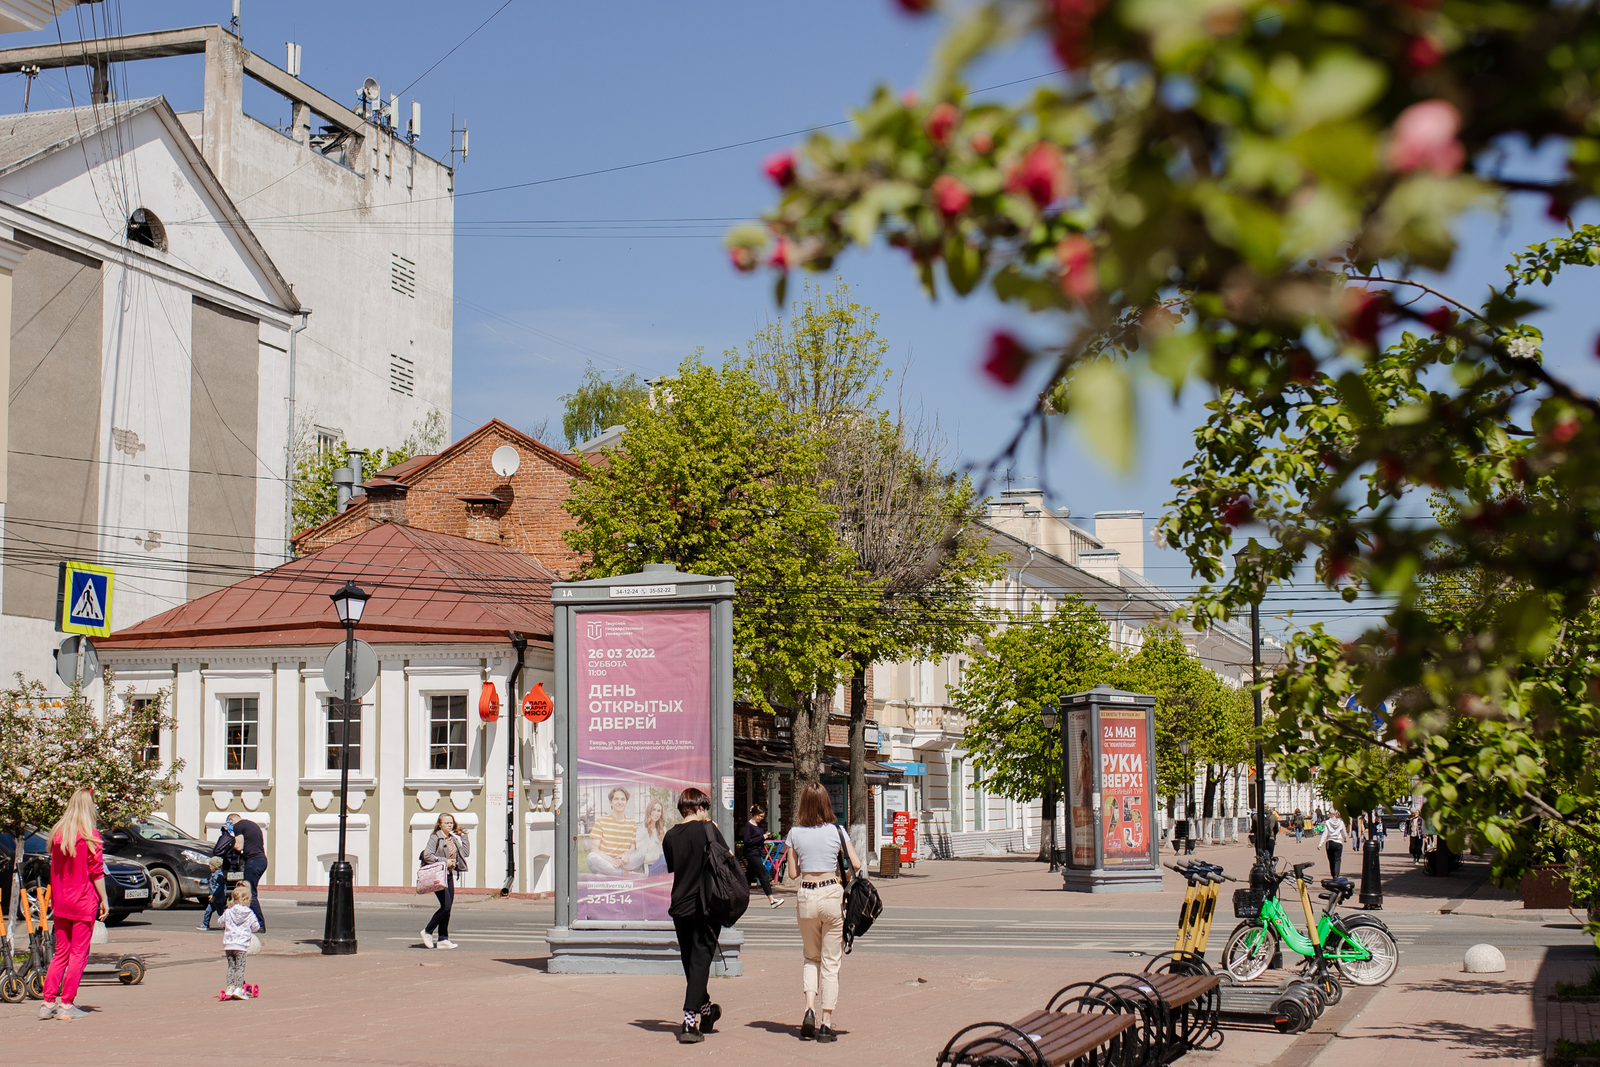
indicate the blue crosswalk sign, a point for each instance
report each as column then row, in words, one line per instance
column 84, row 592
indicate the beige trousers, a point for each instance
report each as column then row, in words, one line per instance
column 821, row 915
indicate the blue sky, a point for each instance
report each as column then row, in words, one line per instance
column 625, row 269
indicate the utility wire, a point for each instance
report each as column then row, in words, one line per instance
column 452, row 51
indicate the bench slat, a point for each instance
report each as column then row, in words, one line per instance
column 1061, row 1036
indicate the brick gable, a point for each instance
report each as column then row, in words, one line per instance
column 530, row 518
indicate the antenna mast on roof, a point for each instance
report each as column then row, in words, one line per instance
column 453, row 131
column 31, row 70
column 233, row 25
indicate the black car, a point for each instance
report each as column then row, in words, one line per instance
column 178, row 864
column 127, row 881
column 1395, row 818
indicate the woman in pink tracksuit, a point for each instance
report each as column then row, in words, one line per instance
column 77, row 897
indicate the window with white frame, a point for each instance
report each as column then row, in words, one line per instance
column 337, row 725
column 152, row 747
column 241, row 734
column 980, row 819
column 958, row 795
column 447, row 732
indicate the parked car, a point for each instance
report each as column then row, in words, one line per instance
column 177, row 863
column 1394, row 818
column 128, row 888
column 127, row 881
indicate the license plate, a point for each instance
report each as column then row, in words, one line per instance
column 135, row 894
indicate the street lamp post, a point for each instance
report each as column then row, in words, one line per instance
column 1051, row 718
column 339, row 927
column 1188, row 797
column 1250, row 556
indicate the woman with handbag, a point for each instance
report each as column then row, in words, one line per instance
column 447, row 846
column 817, row 849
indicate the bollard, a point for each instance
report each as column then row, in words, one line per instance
column 1371, row 876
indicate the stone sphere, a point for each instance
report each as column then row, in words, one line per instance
column 1484, row 959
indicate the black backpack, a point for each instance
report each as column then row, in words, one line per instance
column 724, row 888
column 862, row 905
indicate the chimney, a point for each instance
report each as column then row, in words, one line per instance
column 484, row 511
column 1123, row 531
column 386, row 501
column 1103, row 563
column 346, row 478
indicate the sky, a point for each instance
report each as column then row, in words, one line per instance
column 610, row 253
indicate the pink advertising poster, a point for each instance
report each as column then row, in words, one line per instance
column 1125, row 787
column 642, row 716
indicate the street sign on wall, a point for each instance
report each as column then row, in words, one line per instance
column 83, row 599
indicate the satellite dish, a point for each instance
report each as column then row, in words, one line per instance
column 369, row 89
column 506, row 460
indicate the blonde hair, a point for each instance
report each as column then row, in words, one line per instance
column 240, row 894
column 438, row 824
column 77, row 823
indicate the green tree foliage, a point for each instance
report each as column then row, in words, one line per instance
column 1025, row 666
column 1240, row 194
column 1192, row 703
column 725, row 480
column 908, row 522
column 47, row 751
column 316, row 497
column 600, row 403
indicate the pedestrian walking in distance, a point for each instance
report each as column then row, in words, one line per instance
column 251, row 845
column 449, row 846
column 238, row 923
column 685, row 849
column 815, row 843
column 755, row 847
column 1332, row 840
column 1298, row 822
column 77, row 899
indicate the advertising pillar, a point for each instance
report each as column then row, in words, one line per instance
column 643, row 711
column 1108, row 747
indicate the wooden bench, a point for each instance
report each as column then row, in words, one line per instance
column 1043, row 1039
column 1193, row 1001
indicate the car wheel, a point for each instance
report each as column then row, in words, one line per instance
column 116, row 918
column 164, row 891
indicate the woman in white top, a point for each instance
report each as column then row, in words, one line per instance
column 1332, row 840
column 814, row 844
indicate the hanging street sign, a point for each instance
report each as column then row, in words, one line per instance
column 365, row 673
column 83, row 599
column 77, row 661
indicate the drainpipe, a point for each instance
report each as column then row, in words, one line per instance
column 1021, row 590
column 513, row 709
column 288, row 445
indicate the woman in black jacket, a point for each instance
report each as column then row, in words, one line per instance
column 685, row 850
column 755, row 847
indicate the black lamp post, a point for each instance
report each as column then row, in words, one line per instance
column 1051, row 717
column 1250, row 556
column 1188, row 797
column 339, row 927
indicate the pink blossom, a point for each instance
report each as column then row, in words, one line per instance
column 952, row 195
column 1008, row 358
column 1041, row 174
column 1425, row 138
column 1079, row 280
column 941, row 120
column 780, row 168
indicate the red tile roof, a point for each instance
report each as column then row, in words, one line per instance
column 427, row 588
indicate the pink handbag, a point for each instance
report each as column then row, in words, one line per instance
column 431, row 877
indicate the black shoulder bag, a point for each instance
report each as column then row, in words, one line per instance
column 862, row 905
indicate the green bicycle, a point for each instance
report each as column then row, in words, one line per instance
column 1359, row 945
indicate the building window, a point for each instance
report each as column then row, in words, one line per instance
column 402, row 376
column 145, row 229
column 958, row 796
column 447, row 733
column 337, row 726
column 327, row 440
column 403, row 275
column 979, row 802
column 152, row 748
column 242, row 734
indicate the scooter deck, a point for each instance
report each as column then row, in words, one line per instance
column 1259, row 996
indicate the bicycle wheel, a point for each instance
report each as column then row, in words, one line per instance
column 1383, row 955
column 1249, row 951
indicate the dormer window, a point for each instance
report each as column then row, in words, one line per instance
column 144, row 228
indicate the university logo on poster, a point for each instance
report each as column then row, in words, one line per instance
column 642, row 717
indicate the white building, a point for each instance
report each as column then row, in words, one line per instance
column 1048, row 558
column 154, row 251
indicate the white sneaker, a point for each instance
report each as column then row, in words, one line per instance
column 48, row 1011
column 242, row 995
column 775, row 902
column 427, row 939
column 447, row 944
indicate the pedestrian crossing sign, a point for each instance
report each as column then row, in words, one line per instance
column 84, row 599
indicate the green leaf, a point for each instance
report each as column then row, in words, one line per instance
column 1101, row 401
column 1340, row 85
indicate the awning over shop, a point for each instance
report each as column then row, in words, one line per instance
column 780, row 756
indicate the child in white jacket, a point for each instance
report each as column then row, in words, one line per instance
column 238, row 923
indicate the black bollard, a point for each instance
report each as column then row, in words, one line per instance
column 1371, row 876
